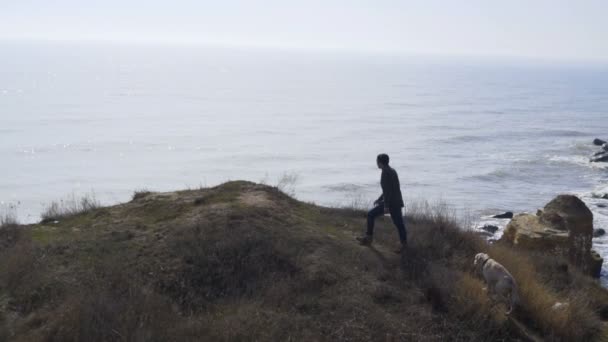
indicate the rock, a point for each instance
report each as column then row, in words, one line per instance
column 564, row 227
column 599, row 195
column 527, row 231
column 605, row 147
column 506, row 215
column 603, row 157
column 595, row 264
column 598, row 232
column 598, row 153
column 598, row 142
column 601, row 205
column 490, row 228
column 578, row 220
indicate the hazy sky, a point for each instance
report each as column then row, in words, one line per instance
column 554, row 29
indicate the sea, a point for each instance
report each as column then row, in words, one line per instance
column 482, row 135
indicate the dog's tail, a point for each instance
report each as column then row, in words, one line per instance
column 514, row 297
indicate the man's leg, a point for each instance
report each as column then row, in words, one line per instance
column 371, row 218
column 397, row 218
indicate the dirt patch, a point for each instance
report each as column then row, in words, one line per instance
column 256, row 199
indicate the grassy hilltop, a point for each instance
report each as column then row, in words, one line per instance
column 243, row 261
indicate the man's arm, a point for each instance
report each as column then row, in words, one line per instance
column 385, row 182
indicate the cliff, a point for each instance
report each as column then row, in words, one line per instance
column 243, row 261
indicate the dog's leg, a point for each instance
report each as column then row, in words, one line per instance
column 504, row 293
column 491, row 290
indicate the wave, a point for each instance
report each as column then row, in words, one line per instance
column 563, row 133
column 344, row 187
column 494, row 175
column 513, row 135
column 467, row 138
column 403, row 104
column 577, row 160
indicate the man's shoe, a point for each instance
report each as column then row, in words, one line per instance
column 401, row 248
column 365, row 240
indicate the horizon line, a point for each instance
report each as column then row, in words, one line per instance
column 582, row 62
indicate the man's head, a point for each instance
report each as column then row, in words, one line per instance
column 382, row 160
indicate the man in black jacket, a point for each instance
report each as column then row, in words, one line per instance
column 390, row 201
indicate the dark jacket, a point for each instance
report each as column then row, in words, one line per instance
column 391, row 190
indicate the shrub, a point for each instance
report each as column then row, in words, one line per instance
column 220, row 264
column 113, row 306
column 140, row 193
column 8, row 218
column 287, row 183
column 10, row 232
column 24, row 277
column 357, row 203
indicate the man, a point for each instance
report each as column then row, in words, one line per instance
column 390, row 201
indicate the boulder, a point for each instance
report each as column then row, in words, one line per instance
column 598, row 142
column 564, row 227
column 598, row 153
column 527, row 231
column 602, row 157
column 506, row 215
column 598, row 232
column 605, row 147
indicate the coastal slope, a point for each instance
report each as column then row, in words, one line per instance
column 244, row 261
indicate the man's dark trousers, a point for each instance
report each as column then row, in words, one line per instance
column 396, row 216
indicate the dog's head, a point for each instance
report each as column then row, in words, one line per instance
column 479, row 259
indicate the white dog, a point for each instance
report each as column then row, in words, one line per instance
column 500, row 282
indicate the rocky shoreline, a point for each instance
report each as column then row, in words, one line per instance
column 600, row 156
column 564, row 227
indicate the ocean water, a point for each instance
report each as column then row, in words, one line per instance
column 484, row 136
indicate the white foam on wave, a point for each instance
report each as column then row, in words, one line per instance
column 577, row 160
column 490, row 220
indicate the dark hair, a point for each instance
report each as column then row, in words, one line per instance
column 383, row 158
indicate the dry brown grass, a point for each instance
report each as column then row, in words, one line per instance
column 287, row 183
column 446, row 253
column 10, row 233
column 8, row 218
column 140, row 193
column 576, row 322
column 218, row 264
column 227, row 269
column 24, row 276
column 70, row 206
column 114, row 307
